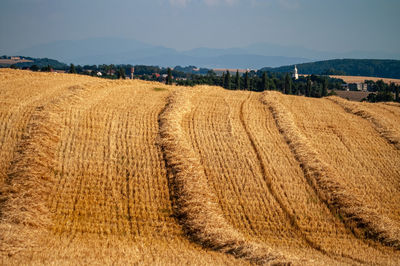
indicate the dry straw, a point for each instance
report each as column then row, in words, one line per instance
column 196, row 206
column 24, row 212
column 363, row 220
column 378, row 122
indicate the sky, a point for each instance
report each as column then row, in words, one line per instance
column 334, row 25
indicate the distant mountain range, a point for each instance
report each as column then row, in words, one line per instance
column 128, row 51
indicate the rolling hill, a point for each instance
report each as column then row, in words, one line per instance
column 94, row 171
column 347, row 67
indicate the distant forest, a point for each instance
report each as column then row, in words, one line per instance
column 40, row 62
column 348, row 67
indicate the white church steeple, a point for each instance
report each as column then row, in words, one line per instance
column 295, row 73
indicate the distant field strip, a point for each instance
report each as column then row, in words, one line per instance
column 363, row 220
column 196, row 205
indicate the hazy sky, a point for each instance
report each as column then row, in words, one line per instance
column 335, row 25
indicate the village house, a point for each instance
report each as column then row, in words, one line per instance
column 358, row 87
column 355, row 86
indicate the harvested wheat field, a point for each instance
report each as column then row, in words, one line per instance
column 360, row 79
column 94, row 171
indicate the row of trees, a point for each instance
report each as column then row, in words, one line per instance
column 107, row 71
column 36, row 68
column 312, row 86
column 382, row 92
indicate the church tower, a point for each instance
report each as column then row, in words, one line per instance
column 295, row 73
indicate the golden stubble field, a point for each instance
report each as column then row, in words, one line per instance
column 94, row 171
column 361, row 79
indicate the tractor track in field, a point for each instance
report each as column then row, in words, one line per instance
column 89, row 97
column 360, row 219
column 196, row 209
column 389, row 134
column 30, row 176
column 288, row 213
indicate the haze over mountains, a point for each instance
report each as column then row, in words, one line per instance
column 130, row 51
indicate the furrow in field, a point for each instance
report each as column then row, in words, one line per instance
column 110, row 168
column 391, row 109
column 250, row 112
column 197, row 206
column 30, row 177
column 364, row 162
column 20, row 94
column 381, row 122
column 314, row 219
column 363, row 220
column 230, row 166
column 236, row 178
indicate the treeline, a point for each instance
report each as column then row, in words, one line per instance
column 349, row 67
column 382, row 92
column 311, row 86
column 39, row 63
column 151, row 73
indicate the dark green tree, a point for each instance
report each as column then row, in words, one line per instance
column 237, row 80
column 316, row 90
column 264, row 81
column 246, row 81
column 272, row 83
column 227, row 80
column 72, row 69
column 288, row 84
column 46, row 68
column 34, row 68
column 169, row 76
column 308, row 87
column 121, row 73
column 397, row 93
column 296, row 90
column 324, row 91
column 111, row 69
column 253, row 83
column 381, row 86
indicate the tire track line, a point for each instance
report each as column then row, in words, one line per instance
column 286, row 209
column 196, row 206
column 389, row 134
column 31, row 175
column 362, row 220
